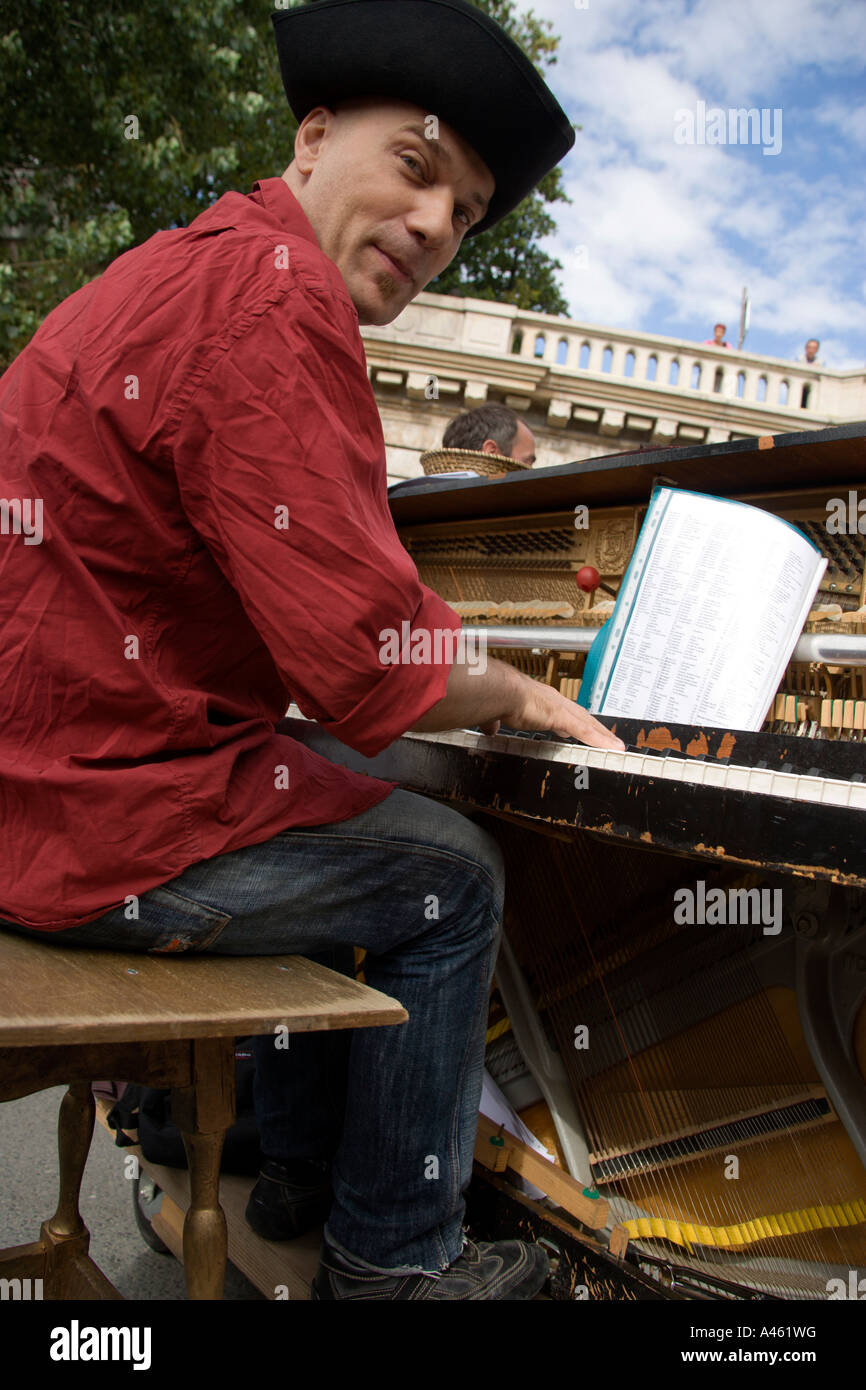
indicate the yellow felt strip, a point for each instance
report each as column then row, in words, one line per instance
column 786, row 1223
column 497, row 1030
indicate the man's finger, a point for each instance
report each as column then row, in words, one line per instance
column 589, row 731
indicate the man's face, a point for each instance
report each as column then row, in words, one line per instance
column 811, row 349
column 719, row 332
column 388, row 205
column 523, row 448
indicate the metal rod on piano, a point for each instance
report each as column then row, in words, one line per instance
column 830, row 648
column 556, row 639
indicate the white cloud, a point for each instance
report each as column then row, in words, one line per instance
column 675, row 231
column 849, row 120
column 740, row 48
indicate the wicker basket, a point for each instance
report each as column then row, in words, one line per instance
column 454, row 460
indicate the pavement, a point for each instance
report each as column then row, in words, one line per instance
column 28, row 1196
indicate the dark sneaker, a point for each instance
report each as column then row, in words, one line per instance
column 507, row 1270
column 289, row 1199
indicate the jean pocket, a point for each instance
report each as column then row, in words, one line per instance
column 176, row 923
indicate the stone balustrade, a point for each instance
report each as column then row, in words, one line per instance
column 580, row 386
column 647, row 360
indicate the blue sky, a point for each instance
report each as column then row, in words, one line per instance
column 673, row 231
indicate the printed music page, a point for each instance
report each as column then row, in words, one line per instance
column 710, row 609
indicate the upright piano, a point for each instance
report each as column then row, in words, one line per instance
column 703, row 1071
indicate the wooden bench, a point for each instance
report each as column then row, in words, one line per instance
column 73, row 1016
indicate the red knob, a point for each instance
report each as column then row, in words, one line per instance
column 588, row 579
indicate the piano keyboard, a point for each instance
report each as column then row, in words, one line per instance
column 667, row 766
column 787, row 803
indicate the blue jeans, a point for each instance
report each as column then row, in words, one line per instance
column 420, row 887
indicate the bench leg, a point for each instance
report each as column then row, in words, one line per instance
column 74, row 1133
column 203, row 1113
column 69, row 1271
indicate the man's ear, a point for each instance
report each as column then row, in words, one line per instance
column 310, row 137
column 490, row 447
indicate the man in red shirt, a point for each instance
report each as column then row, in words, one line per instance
column 196, row 531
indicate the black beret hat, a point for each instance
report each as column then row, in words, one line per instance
column 445, row 56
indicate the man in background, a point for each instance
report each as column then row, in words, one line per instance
column 491, row 429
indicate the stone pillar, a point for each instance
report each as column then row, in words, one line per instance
column 475, row 394
column 559, row 413
column 665, row 431
column 612, row 421
column 664, row 366
column 418, row 386
column 641, row 357
column 617, row 366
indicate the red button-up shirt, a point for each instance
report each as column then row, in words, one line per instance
column 195, row 531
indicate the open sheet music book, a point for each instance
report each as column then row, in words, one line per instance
column 708, row 614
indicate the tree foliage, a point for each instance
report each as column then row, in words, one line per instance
column 81, row 182
column 76, row 187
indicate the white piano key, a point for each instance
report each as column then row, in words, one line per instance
column 738, row 778
column 858, row 796
column 760, row 780
column 834, row 793
column 633, row 764
column 648, row 766
column 784, row 784
column 694, row 772
column 716, row 775
column 810, row 789
column 672, row 769
column 560, row 752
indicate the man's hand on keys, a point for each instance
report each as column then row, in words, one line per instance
column 540, row 708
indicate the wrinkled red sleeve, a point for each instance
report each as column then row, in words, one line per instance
column 280, row 461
